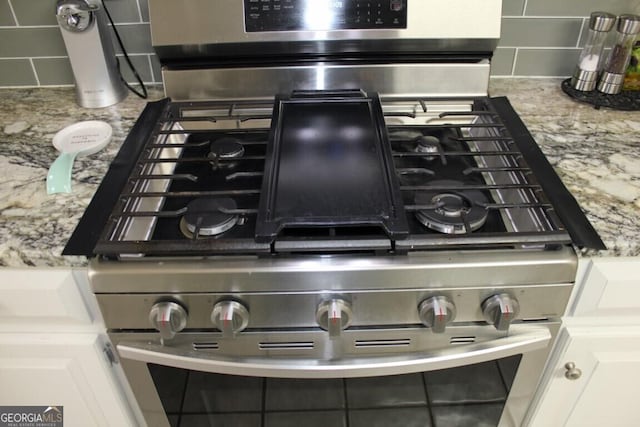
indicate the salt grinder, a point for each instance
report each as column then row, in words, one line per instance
column 585, row 76
column 618, row 60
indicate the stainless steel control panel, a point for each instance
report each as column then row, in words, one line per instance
column 297, row 15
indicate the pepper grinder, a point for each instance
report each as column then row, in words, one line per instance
column 618, row 60
column 589, row 64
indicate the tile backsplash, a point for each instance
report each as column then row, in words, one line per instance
column 32, row 51
column 543, row 38
column 539, row 38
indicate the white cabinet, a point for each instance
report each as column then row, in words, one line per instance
column 610, row 288
column 601, row 337
column 31, row 299
column 605, row 394
column 68, row 370
column 52, row 348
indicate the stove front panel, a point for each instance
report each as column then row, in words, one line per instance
column 274, row 313
column 444, row 79
column 217, row 29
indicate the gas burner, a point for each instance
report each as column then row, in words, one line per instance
column 427, row 144
column 225, row 148
column 417, row 142
column 207, row 216
column 453, row 210
column 404, row 135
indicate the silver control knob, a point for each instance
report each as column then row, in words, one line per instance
column 230, row 317
column 437, row 312
column 500, row 310
column 334, row 315
column 168, row 318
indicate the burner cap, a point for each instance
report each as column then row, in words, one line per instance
column 205, row 215
column 451, row 208
column 225, row 148
column 428, row 144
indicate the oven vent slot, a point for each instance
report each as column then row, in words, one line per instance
column 295, row 345
column 206, row 346
column 462, row 340
column 536, row 319
column 400, row 342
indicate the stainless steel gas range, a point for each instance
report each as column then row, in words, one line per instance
column 329, row 220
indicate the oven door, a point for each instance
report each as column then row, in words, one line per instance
column 470, row 382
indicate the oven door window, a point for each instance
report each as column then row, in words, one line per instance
column 473, row 395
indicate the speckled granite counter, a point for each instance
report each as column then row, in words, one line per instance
column 596, row 153
column 34, row 227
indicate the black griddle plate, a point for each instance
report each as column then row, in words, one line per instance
column 329, row 164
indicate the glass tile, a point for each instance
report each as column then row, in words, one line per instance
column 297, row 394
column 375, row 392
column 509, row 368
column 220, row 420
column 390, row 417
column 173, row 420
column 305, row 418
column 485, row 415
column 170, row 383
column 210, row 393
column 479, row 383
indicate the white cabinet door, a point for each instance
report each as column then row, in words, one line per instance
column 69, row 370
column 606, row 392
column 609, row 289
column 41, row 299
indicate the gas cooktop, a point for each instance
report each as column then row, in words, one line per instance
column 353, row 174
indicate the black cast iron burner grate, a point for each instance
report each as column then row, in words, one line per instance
column 173, row 167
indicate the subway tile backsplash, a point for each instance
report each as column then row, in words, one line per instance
column 32, row 52
column 30, row 12
column 20, row 42
column 540, row 38
column 544, row 62
column 17, row 72
column 6, row 17
column 579, row 7
column 512, row 7
column 543, row 38
column 534, row 32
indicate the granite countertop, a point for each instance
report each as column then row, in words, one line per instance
column 34, row 227
column 595, row 152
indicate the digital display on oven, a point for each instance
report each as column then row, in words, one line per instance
column 323, row 15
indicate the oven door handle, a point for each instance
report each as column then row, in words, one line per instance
column 280, row 367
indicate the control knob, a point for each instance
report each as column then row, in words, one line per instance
column 500, row 310
column 230, row 317
column 334, row 315
column 437, row 312
column 168, row 318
